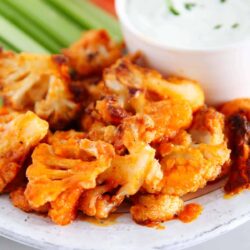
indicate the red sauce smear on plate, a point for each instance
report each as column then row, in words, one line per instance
column 190, row 212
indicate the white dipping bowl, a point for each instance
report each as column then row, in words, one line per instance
column 223, row 72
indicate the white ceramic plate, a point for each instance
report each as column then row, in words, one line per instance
column 219, row 216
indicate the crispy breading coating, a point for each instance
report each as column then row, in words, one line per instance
column 93, row 52
column 19, row 134
column 38, row 83
column 151, row 209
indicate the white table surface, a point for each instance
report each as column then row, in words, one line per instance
column 236, row 239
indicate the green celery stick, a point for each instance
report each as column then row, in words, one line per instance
column 18, row 38
column 104, row 19
column 88, row 16
column 52, row 22
column 29, row 27
column 7, row 46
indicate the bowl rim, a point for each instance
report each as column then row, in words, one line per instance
column 120, row 6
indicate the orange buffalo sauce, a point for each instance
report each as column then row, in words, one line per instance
column 111, row 220
column 190, row 212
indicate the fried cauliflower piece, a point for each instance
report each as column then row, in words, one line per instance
column 51, row 174
column 131, row 172
column 19, row 135
column 159, row 119
column 104, row 133
column 98, row 203
column 238, row 130
column 236, row 106
column 93, row 52
column 151, row 209
column 208, row 127
column 169, row 117
column 125, row 78
column 134, row 129
column 68, row 144
column 64, row 209
column 59, row 174
column 126, row 176
column 183, row 138
column 38, row 83
column 19, row 200
column 189, row 167
column 58, row 107
column 188, row 90
column 109, row 111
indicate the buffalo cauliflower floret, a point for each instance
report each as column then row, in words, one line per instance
column 134, row 129
column 93, row 52
column 151, row 209
column 126, row 176
column 125, row 78
column 51, row 174
column 59, row 176
column 19, row 200
column 68, row 144
column 104, row 133
column 64, row 209
column 109, row 111
column 208, row 127
column 38, row 83
column 98, row 203
column 238, row 133
column 236, row 106
column 169, row 117
column 18, row 136
column 188, row 167
column 183, row 138
column 131, row 172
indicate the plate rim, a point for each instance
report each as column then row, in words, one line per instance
column 218, row 230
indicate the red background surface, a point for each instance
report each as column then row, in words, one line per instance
column 107, row 5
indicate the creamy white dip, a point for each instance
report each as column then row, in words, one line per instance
column 193, row 23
